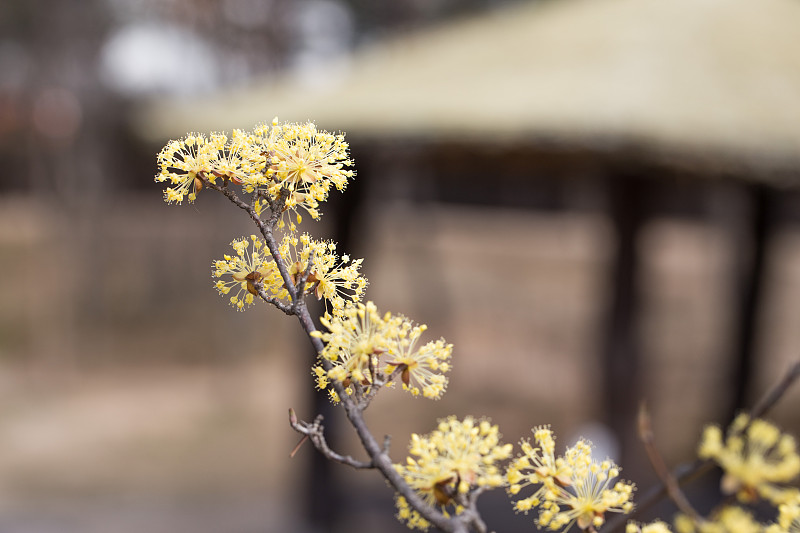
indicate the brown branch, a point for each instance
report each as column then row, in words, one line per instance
column 300, row 287
column 471, row 515
column 266, row 228
column 387, row 443
column 377, row 385
column 287, row 309
column 776, row 393
column 379, row 458
column 297, row 447
column 660, row 466
column 315, row 433
column 687, row 473
column 379, row 454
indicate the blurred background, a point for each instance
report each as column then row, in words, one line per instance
column 594, row 200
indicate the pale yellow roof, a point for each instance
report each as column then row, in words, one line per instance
column 676, row 75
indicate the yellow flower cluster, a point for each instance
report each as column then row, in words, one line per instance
column 185, row 161
column 252, row 264
column 304, row 161
column 654, row 527
column 336, row 280
column 728, row 519
column 449, row 462
column 755, row 457
column 362, row 344
column 296, row 158
column 788, row 518
column 570, row 489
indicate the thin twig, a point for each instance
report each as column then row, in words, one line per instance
column 315, row 432
column 471, row 515
column 297, row 447
column 685, row 474
column 377, row 385
column 287, row 309
column 660, row 466
column 300, row 287
column 776, row 393
column 266, row 228
column 387, row 443
column 378, row 456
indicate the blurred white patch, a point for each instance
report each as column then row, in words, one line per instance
column 606, row 444
column 325, row 33
column 151, row 58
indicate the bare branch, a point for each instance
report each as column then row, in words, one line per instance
column 296, row 448
column 265, row 228
column 377, row 385
column 287, row 309
column 254, row 198
column 387, row 443
column 687, row 473
column 315, row 432
column 303, row 279
column 776, row 393
column 660, row 467
column 471, row 516
column 379, row 458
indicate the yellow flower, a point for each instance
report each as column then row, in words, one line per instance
column 422, row 369
column 305, row 162
column 355, row 339
column 242, row 162
column 570, row 489
column 788, row 518
column 755, row 457
column 329, row 277
column 275, row 157
column 654, row 527
column 181, row 162
column 728, row 519
column 535, row 466
column 251, row 264
column 409, row 516
column 335, row 280
column 361, row 345
column 449, row 462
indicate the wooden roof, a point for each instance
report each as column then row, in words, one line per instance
column 709, row 79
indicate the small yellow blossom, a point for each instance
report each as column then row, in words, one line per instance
column 329, row 276
column 570, row 489
column 304, row 161
column 654, row 527
column 250, row 265
column 241, row 162
column 355, row 339
column 361, row 342
column 422, row 369
column 455, row 458
column 292, row 157
column 788, row 518
column 755, row 457
column 728, row 519
column 409, row 516
column 334, row 279
column 184, row 161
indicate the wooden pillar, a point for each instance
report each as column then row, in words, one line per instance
column 620, row 364
column 751, row 272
